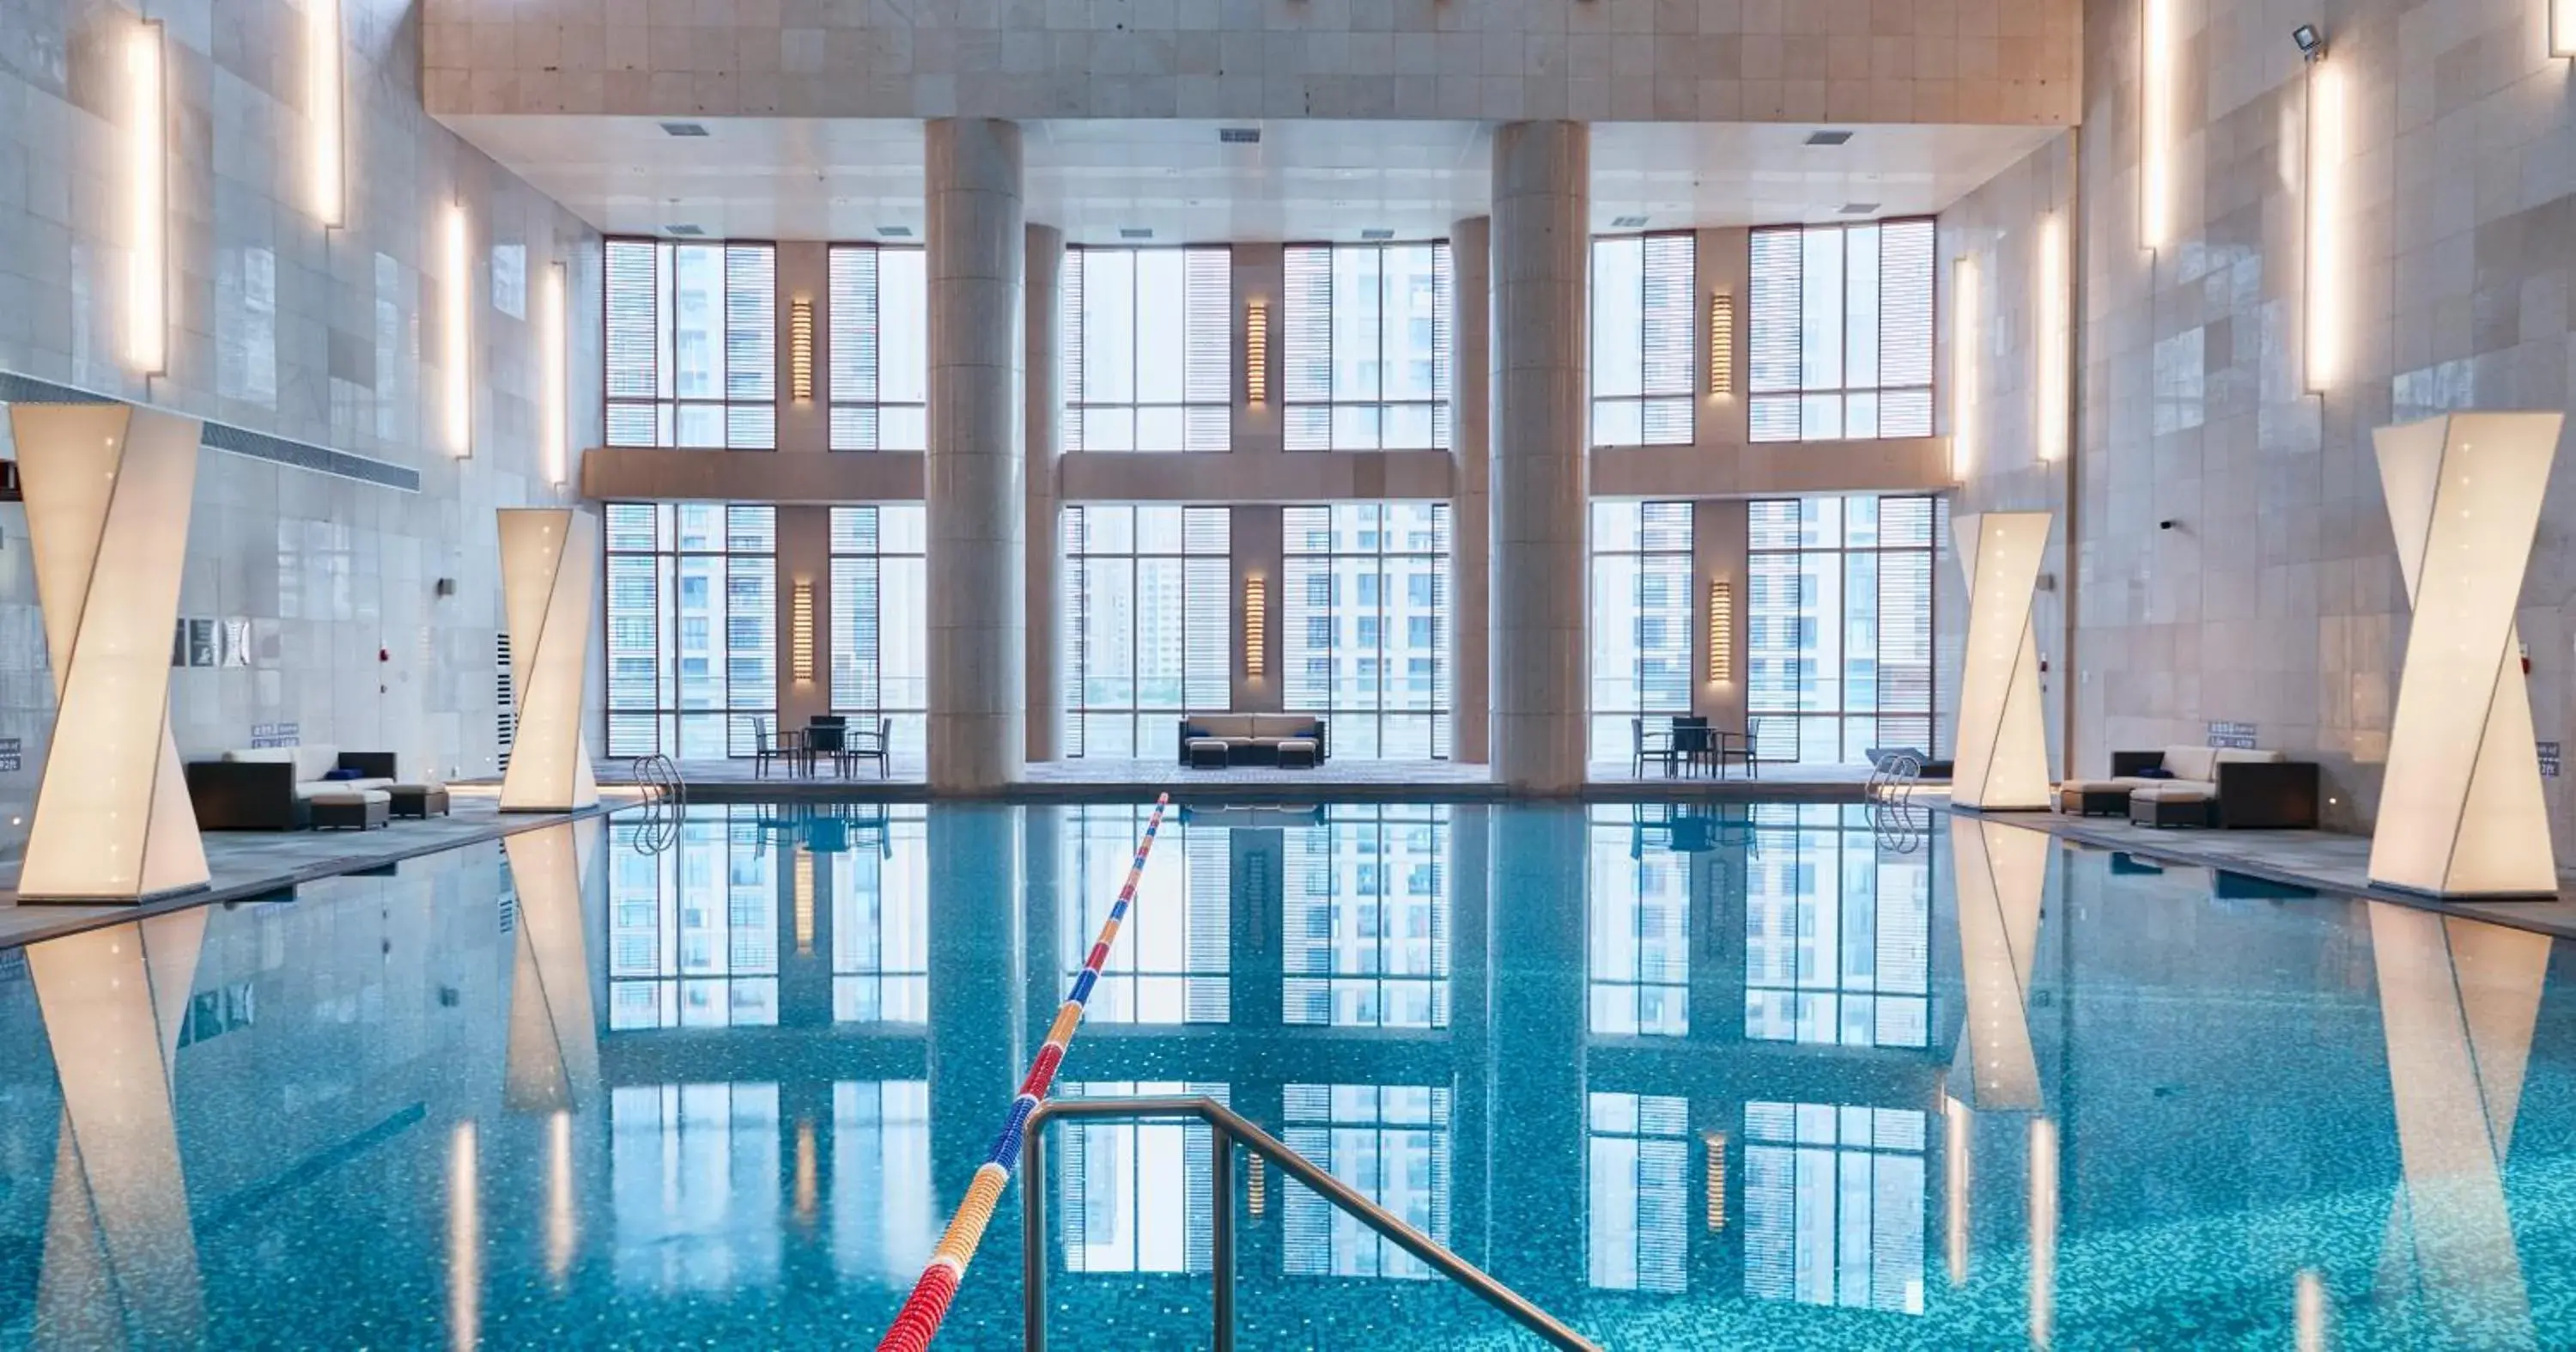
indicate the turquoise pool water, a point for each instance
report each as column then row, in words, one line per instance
column 1768, row 1077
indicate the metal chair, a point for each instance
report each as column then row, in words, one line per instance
column 765, row 747
column 878, row 746
column 1738, row 746
column 1651, row 744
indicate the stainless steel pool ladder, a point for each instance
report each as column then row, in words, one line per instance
column 666, row 800
column 1230, row 1129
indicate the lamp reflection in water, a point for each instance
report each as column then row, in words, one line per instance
column 464, row 1240
column 2002, row 878
column 120, row 1257
column 2458, row 1002
column 552, row 1061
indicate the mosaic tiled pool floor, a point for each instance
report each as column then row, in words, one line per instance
column 1705, row 1076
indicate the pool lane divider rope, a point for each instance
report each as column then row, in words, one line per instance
column 918, row 1322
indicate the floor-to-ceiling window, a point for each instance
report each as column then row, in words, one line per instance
column 1641, row 339
column 1837, row 932
column 1148, row 625
column 1365, row 352
column 692, row 344
column 692, row 627
column 1365, row 625
column 1838, row 632
column 1842, row 331
column 880, row 619
column 1364, row 911
column 880, row 346
column 1149, row 349
column 1641, row 614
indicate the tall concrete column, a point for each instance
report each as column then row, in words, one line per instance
column 1045, row 423
column 1541, row 470
column 1471, row 520
column 975, row 482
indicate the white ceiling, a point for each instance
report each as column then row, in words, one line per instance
column 805, row 178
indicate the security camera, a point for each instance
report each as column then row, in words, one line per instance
column 2167, row 525
column 2312, row 44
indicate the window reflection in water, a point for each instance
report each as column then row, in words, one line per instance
column 1389, row 1142
column 1837, row 935
column 1175, row 950
column 1365, row 909
column 1834, row 1205
column 694, row 1170
column 1137, row 1196
column 693, row 930
column 880, row 916
column 882, row 1209
column 1639, row 949
column 1638, row 1235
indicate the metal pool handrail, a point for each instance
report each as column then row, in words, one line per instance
column 1230, row 1128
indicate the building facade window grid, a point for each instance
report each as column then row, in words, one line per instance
column 692, row 628
column 1174, row 962
column 880, row 348
column 1392, row 1144
column 1641, row 620
column 880, row 900
column 691, row 344
column 1149, row 357
column 880, row 620
column 1838, row 625
column 693, row 930
column 1834, row 1205
column 1837, row 933
column 1148, row 625
column 1842, row 331
column 1643, row 377
column 1639, row 949
column 1364, row 910
column 1365, row 628
column 1365, row 352
column 1138, row 1196
column 1637, row 1168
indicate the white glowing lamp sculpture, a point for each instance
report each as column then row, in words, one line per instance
column 108, row 489
column 549, row 585
column 552, row 1062
column 2460, row 810
column 2003, row 739
column 2002, row 873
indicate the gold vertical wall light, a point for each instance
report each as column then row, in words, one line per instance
column 1721, row 343
column 800, row 350
column 456, row 287
column 800, row 632
column 147, row 275
column 1256, row 351
column 322, row 110
column 1721, row 632
column 1256, row 625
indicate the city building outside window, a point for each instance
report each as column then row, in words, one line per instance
column 1641, row 620
column 692, row 344
column 1365, row 629
column 880, row 607
column 1842, row 331
column 1149, row 349
column 1838, row 625
column 1365, row 359
column 1641, row 339
column 692, row 628
column 1148, row 625
column 880, row 348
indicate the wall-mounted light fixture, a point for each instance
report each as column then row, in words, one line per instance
column 2050, row 346
column 1714, row 1143
column 322, row 109
column 555, row 359
column 2324, row 284
column 1965, row 332
column 800, row 350
column 2562, row 27
column 1256, row 1187
column 1256, row 351
column 1256, row 626
column 1721, row 343
column 800, row 632
column 1721, row 632
column 147, row 194
column 2155, row 121
column 456, row 286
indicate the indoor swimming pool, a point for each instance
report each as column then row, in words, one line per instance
column 1687, row 1076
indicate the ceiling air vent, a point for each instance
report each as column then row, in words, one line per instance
column 684, row 128
column 1134, row 232
column 895, row 231
column 686, row 231
column 1239, row 136
column 1860, row 208
column 1380, row 233
column 1827, row 138
column 1628, row 223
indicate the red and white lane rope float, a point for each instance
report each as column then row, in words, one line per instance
column 918, row 1322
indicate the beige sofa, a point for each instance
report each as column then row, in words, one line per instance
column 272, row 788
column 1216, row 741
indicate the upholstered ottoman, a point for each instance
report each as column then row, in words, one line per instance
column 2167, row 805
column 1296, row 753
column 1209, row 753
column 2094, row 797
column 350, row 811
column 418, row 800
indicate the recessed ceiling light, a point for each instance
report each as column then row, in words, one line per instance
column 895, row 231
column 1239, row 136
column 1134, row 232
column 690, row 230
column 1828, row 138
column 1380, row 233
column 1628, row 223
column 685, row 128
column 1860, row 208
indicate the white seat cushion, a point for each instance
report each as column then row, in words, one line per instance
column 2175, row 791
column 262, row 755
column 2097, row 785
column 348, row 799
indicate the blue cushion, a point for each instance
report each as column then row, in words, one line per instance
column 344, row 773
column 2155, row 772
column 1313, row 732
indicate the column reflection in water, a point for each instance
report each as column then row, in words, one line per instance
column 2002, row 872
column 2459, row 1001
column 1364, row 905
column 1173, row 957
column 1837, row 932
column 120, row 1251
column 1536, row 885
column 1639, row 955
column 975, row 1060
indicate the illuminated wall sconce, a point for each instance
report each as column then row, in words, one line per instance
column 1965, row 333
column 1721, row 343
column 2325, row 280
column 2052, row 348
column 1256, row 1187
column 804, row 902
column 457, row 289
column 147, row 200
column 1715, row 1144
column 2155, row 122
column 322, row 108
column 556, row 358
column 1256, row 351
column 800, row 350
column 800, row 632
column 2562, row 28
column 1721, row 632
column 1256, row 626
